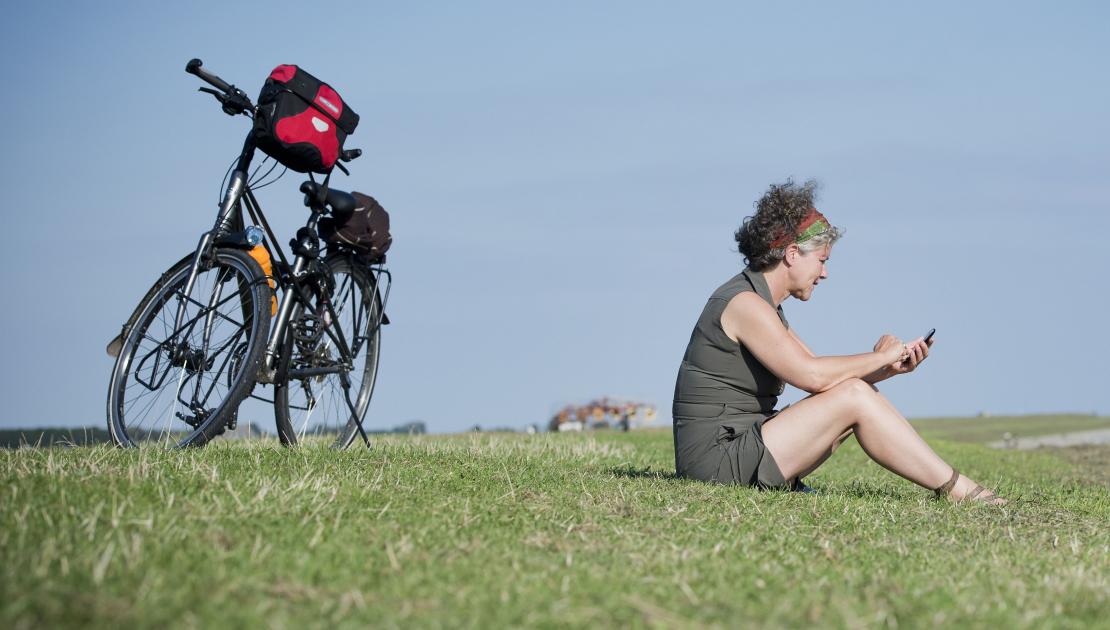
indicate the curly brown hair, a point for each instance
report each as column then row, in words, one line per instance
column 780, row 211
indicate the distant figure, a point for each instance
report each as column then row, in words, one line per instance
column 726, row 429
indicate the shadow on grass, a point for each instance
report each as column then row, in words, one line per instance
column 644, row 473
column 860, row 491
column 854, row 489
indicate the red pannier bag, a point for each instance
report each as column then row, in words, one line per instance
column 301, row 121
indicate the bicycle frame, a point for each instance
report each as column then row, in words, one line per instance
column 290, row 277
column 198, row 341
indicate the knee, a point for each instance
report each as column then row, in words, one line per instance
column 853, row 389
column 854, row 395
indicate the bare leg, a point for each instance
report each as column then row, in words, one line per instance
column 803, row 435
column 828, row 453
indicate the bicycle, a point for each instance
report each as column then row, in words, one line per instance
column 201, row 340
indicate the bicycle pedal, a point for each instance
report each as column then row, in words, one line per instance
column 193, row 421
column 308, row 329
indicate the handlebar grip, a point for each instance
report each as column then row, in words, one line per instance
column 350, row 154
column 194, row 67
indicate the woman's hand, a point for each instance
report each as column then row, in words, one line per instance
column 913, row 354
column 902, row 358
column 891, row 348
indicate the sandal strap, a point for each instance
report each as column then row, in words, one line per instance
column 943, row 490
column 974, row 493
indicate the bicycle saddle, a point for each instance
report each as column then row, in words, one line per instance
column 342, row 203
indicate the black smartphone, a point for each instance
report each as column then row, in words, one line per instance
column 930, row 335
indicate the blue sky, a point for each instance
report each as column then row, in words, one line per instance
column 564, row 180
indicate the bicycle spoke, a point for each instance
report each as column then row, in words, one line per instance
column 177, row 372
column 318, row 405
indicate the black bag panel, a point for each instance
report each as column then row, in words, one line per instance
column 365, row 230
column 323, row 97
column 301, row 121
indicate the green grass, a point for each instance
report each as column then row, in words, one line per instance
column 992, row 428
column 543, row 530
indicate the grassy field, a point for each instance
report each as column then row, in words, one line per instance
column 992, row 428
column 548, row 530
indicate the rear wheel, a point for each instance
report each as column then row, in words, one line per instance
column 186, row 361
column 314, row 404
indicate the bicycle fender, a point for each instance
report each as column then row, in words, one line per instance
column 116, row 344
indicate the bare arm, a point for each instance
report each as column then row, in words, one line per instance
column 749, row 320
column 800, row 342
column 918, row 349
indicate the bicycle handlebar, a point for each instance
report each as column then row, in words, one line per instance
column 194, row 67
column 234, row 100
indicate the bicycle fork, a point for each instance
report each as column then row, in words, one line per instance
column 204, row 250
column 204, row 247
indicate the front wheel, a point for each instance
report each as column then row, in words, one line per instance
column 315, row 404
column 187, row 360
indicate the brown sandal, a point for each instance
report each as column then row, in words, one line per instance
column 946, row 489
column 987, row 498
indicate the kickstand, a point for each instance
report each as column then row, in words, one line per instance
column 346, row 382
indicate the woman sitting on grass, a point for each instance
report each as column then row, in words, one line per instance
column 742, row 350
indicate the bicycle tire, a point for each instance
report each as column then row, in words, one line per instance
column 158, row 358
column 315, row 406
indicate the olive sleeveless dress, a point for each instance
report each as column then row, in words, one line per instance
column 722, row 398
